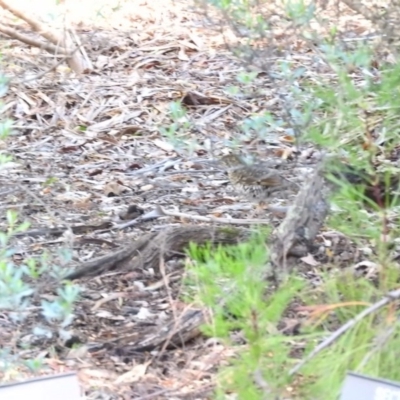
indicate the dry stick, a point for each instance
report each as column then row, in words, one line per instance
column 8, row 191
column 177, row 319
column 260, row 382
column 54, row 66
column 79, row 63
column 190, row 321
column 391, row 296
column 85, row 57
column 174, row 392
column 31, row 42
column 361, row 9
column 156, row 394
column 75, row 62
column 38, row 27
column 170, row 300
column 233, row 221
column 142, row 218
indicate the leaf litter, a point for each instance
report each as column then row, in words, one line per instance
column 88, row 153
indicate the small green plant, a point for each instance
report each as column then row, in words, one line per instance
column 178, row 131
column 19, row 285
column 232, row 282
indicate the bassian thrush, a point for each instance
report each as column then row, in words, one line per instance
column 257, row 182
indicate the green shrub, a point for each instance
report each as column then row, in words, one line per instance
column 350, row 113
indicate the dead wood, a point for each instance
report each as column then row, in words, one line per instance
column 51, row 48
column 51, row 36
column 295, row 236
column 58, row 44
column 151, row 248
column 174, row 333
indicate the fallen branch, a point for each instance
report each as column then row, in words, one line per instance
column 58, row 44
column 51, row 36
column 233, row 221
column 148, row 250
column 30, row 41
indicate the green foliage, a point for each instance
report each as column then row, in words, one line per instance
column 350, row 113
column 362, row 348
column 231, row 281
column 17, row 284
column 177, row 131
column 300, row 12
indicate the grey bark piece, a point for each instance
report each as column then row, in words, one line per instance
column 305, row 218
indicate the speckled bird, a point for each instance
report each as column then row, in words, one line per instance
column 257, row 182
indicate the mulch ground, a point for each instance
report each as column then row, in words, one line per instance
column 87, row 148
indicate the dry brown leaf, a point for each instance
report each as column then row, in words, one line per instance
column 137, row 372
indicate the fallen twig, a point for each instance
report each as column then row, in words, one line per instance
column 51, row 48
column 232, row 221
column 58, row 43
